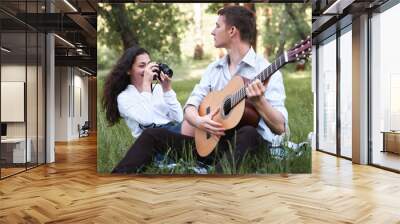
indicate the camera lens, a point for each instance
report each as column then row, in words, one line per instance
column 165, row 69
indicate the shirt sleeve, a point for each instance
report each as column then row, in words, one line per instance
column 175, row 109
column 201, row 89
column 275, row 90
column 275, row 94
column 137, row 107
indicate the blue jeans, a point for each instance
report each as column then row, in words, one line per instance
column 173, row 127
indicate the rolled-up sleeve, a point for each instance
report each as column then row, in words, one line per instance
column 275, row 94
column 175, row 109
column 200, row 90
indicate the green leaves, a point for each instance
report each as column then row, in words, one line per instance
column 156, row 27
column 283, row 25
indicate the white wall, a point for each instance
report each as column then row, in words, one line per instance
column 71, row 93
column 81, row 104
column 17, row 73
column 33, row 126
column 61, row 103
column 12, row 73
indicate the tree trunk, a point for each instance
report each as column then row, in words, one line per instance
column 300, row 32
column 252, row 7
column 198, row 49
column 268, row 48
column 282, row 37
column 289, row 10
column 123, row 25
column 281, row 45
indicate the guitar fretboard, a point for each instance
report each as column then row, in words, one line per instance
column 264, row 75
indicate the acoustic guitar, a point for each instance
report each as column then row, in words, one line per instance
column 229, row 105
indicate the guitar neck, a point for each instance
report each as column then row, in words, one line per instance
column 271, row 69
column 263, row 77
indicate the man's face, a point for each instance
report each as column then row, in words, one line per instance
column 221, row 33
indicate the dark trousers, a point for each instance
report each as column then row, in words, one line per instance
column 153, row 140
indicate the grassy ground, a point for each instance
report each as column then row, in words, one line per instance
column 113, row 142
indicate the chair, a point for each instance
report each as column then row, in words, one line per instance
column 84, row 130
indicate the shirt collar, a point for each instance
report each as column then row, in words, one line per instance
column 249, row 58
column 132, row 87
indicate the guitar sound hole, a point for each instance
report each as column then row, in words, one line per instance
column 227, row 106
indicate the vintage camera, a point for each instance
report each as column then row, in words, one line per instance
column 165, row 69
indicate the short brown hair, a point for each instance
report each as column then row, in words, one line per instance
column 243, row 19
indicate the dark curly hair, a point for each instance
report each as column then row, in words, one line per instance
column 117, row 81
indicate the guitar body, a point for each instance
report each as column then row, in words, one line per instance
column 250, row 116
column 206, row 142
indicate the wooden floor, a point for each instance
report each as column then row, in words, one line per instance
column 10, row 171
column 70, row 191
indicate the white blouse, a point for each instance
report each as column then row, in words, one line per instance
column 147, row 108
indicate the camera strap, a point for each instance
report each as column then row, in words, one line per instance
column 153, row 86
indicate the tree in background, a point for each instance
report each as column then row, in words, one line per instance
column 284, row 25
column 198, row 50
column 156, row 27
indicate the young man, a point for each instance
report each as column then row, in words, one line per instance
column 235, row 30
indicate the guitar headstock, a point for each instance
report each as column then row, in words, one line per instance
column 300, row 51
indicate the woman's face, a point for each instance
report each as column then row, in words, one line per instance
column 137, row 69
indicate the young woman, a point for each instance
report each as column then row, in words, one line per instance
column 129, row 93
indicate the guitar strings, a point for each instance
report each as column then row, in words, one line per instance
column 236, row 97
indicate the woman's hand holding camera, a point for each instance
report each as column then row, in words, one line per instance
column 165, row 82
column 151, row 73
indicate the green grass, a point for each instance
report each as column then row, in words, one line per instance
column 113, row 142
column 299, row 104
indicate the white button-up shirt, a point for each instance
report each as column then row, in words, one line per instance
column 217, row 76
column 146, row 108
